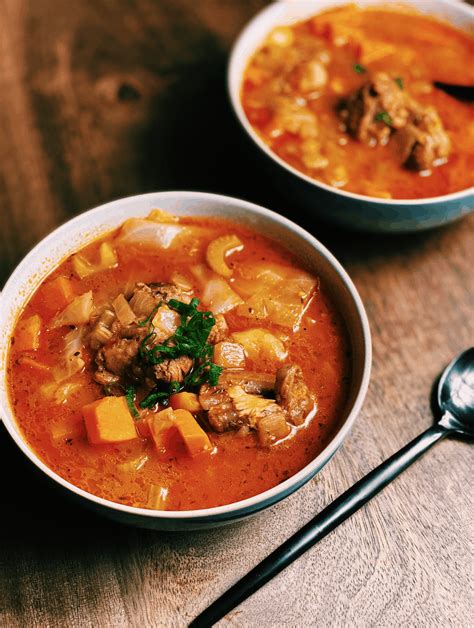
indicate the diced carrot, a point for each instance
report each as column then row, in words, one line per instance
column 185, row 401
column 108, row 420
column 195, row 438
column 27, row 336
column 58, row 293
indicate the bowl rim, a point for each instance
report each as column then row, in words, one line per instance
column 234, row 85
column 234, row 509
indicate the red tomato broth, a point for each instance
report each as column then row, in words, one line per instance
column 239, row 468
column 423, row 50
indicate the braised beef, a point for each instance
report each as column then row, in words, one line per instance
column 381, row 109
column 220, row 330
column 423, row 141
column 374, row 110
column 174, row 370
column 292, row 394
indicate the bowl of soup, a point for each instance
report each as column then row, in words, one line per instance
column 180, row 360
column 342, row 100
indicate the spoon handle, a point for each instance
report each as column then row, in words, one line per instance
column 321, row 525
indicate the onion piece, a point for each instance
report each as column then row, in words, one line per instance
column 107, row 259
column 216, row 292
column 123, row 311
column 157, row 497
column 148, row 233
column 260, row 343
column 78, row 312
column 67, row 368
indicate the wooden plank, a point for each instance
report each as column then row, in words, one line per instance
column 105, row 99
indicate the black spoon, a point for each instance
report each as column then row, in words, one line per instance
column 461, row 92
column 456, row 405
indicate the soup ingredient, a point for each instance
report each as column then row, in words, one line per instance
column 229, row 355
column 279, row 294
column 381, row 110
column 157, row 497
column 195, row 438
column 124, row 313
column 148, row 234
column 218, row 249
column 108, row 420
column 293, row 394
column 423, row 141
column 27, row 336
column 216, row 292
column 376, row 108
column 261, row 343
column 107, row 259
column 185, row 401
column 78, row 312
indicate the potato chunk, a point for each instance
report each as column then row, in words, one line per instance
column 108, row 420
column 260, row 343
column 27, row 335
column 229, row 355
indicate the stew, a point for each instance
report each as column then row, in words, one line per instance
column 348, row 98
column 179, row 364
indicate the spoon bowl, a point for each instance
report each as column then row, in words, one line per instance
column 456, row 394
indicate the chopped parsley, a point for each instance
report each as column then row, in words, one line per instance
column 130, row 397
column 189, row 339
column 383, row 116
column 399, row 81
column 359, row 68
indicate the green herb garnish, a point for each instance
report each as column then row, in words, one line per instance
column 383, row 116
column 130, row 397
column 160, row 395
column 399, row 81
column 359, row 68
column 190, row 339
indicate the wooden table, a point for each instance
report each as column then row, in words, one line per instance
column 102, row 99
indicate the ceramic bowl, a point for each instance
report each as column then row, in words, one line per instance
column 322, row 200
column 86, row 227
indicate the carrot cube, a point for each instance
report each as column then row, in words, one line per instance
column 185, row 401
column 108, row 420
column 27, row 335
column 194, row 437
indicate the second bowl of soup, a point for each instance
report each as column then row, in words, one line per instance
column 344, row 98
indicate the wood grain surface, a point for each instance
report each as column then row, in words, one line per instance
column 106, row 98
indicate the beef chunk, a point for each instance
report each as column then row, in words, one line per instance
column 368, row 111
column 221, row 413
column 423, row 141
column 292, row 394
column 220, row 330
column 120, row 354
column 174, row 370
column 145, row 297
column 380, row 109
